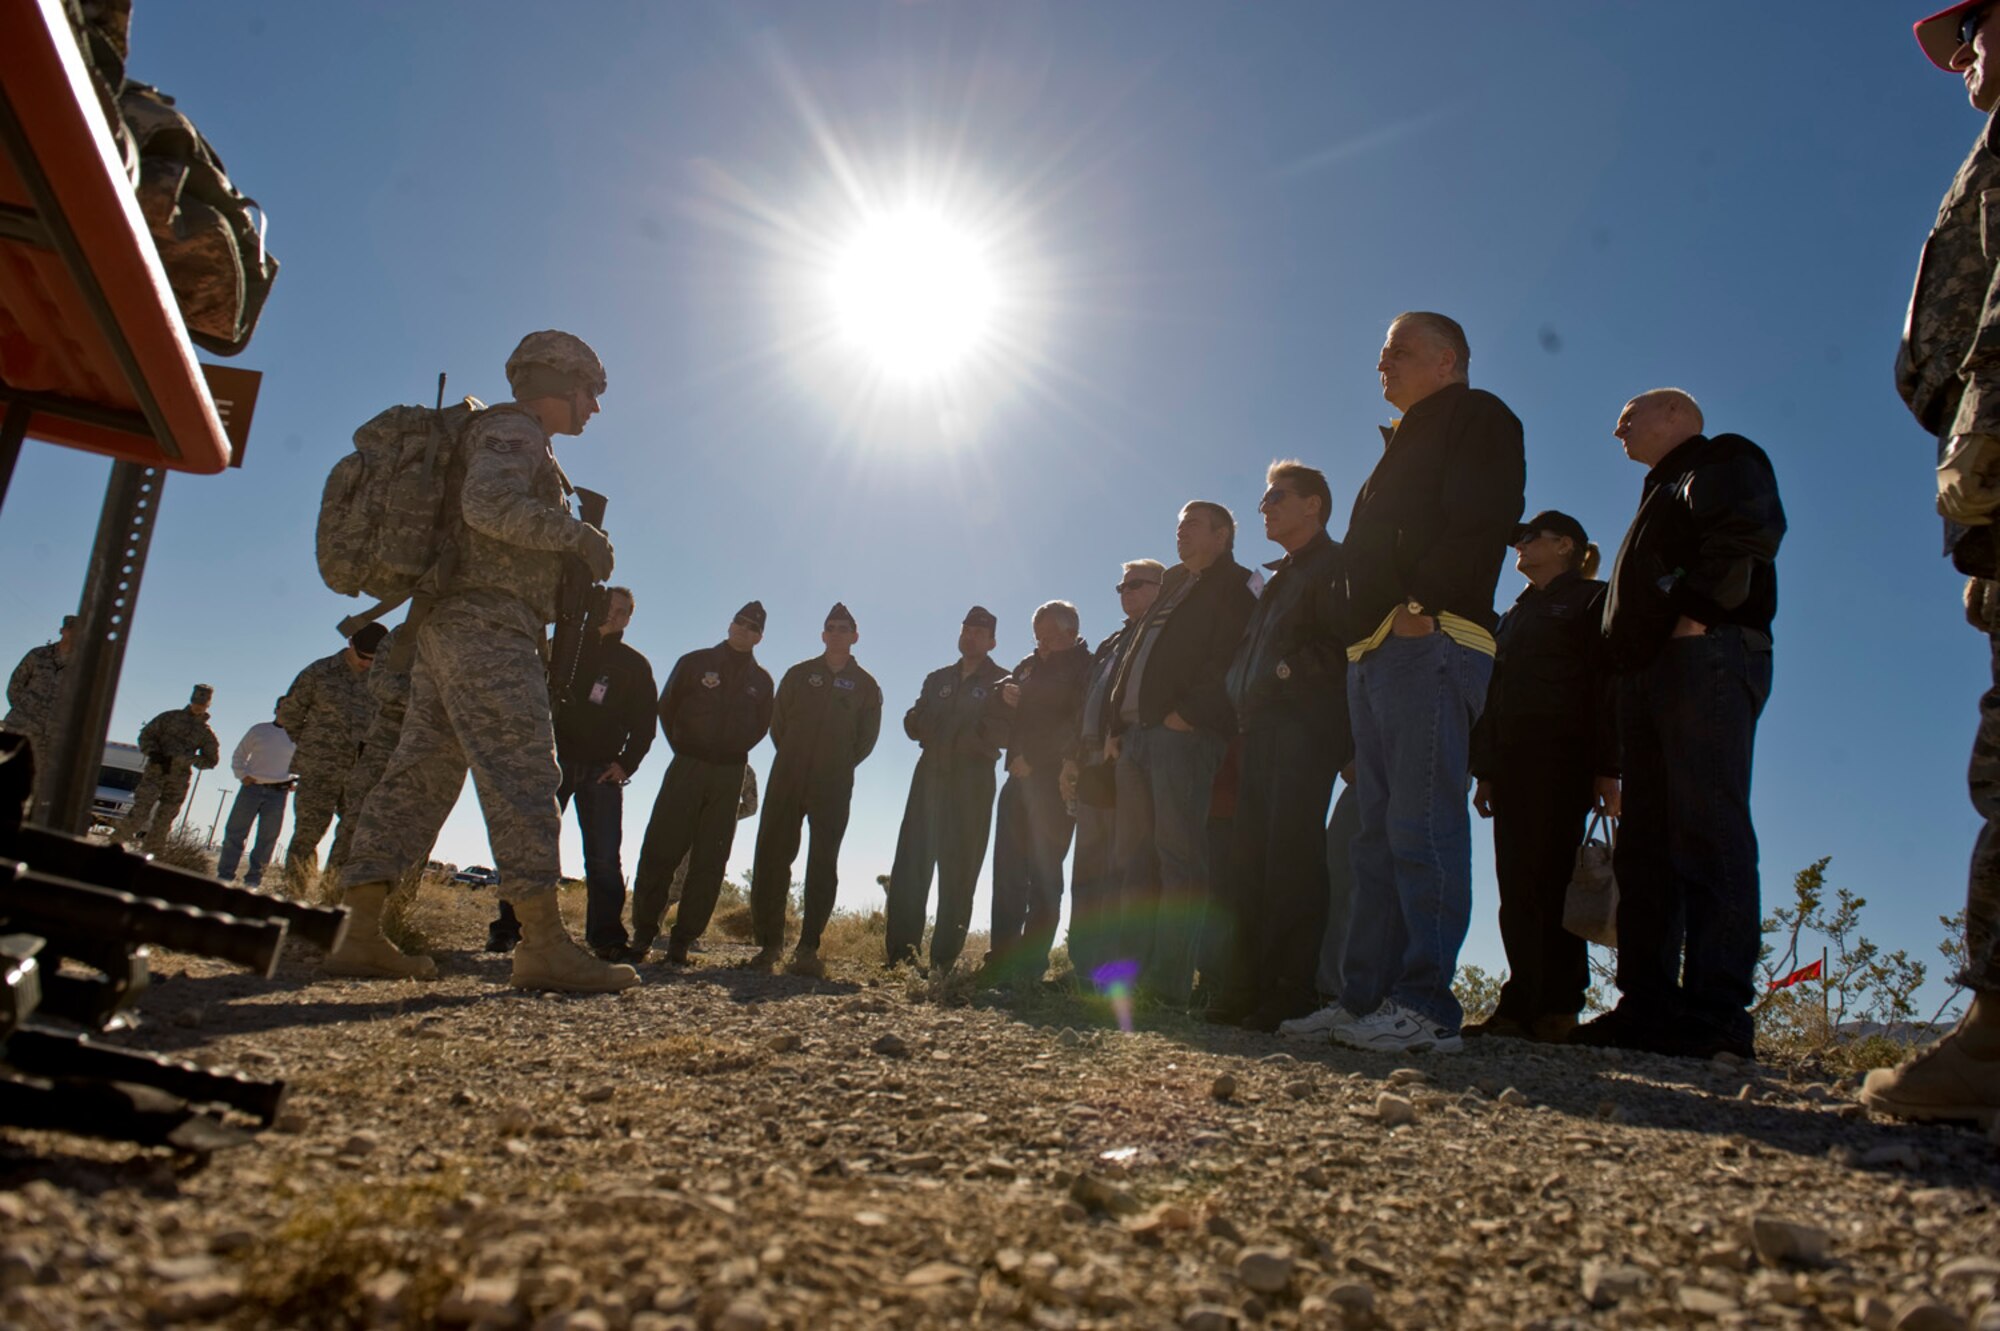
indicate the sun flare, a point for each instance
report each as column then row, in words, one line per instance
column 913, row 295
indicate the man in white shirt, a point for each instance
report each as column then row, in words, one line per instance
column 263, row 766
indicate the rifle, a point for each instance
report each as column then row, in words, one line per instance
column 580, row 607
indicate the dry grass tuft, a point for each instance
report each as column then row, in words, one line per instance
column 186, row 849
column 321, row 1265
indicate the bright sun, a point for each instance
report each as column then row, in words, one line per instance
column 914, row 295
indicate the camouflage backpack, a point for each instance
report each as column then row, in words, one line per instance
column 389, row 507
column 209, row 236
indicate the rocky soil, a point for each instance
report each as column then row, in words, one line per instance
column 738, row 1152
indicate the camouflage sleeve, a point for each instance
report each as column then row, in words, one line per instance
column 209, row 751
column 746, row 799
column 296, row 705
column 1979, row 403
column 498, row 500
column 147, row 733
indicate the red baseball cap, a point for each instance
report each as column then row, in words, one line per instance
column 1938, row 34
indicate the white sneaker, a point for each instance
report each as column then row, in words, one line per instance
column 1317, row 1025
column 1393, row 1028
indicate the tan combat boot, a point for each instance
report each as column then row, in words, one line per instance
column 548, row 958
column 1957, row 1078
column 766, row 962
column 806, row 962
column 365, row 954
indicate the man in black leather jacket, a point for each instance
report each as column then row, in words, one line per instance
column 1288, row 685
column 1687, row 624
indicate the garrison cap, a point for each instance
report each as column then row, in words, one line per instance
column 368, row 639
column 979, row 617
column 1562, row 524
column 753, row 615
column 71, row 621
column 201, row 695
column 840, row 614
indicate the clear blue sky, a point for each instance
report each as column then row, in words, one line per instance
column 1203, row 216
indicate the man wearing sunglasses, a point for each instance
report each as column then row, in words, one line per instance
column 715, row 708
column 1087, row 782
column 1288, row 684
column 1948, row 371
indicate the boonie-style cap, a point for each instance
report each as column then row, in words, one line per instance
column 1938, row 34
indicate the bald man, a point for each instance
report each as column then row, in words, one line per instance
column 1687, row 623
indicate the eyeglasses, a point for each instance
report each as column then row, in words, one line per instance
column 1276, row 494
column 1134, row 584
column 1970, row 22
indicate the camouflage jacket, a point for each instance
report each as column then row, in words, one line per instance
column 327, row 711
column 179, row 736
column 1948, row 368
column 515, row 523
column 32, row 691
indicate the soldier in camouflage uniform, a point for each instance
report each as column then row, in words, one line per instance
column 327, row 712
column 175, row 744
column 479, row 694
column 388, row 681
column 1948, row 371
column 33, row 689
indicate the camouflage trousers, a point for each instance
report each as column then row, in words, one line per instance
column 162, row 789
column 1982, row 897
column 322, row 795
column 366, row 774
column 479, row 699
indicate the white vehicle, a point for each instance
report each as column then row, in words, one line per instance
column 117, row 781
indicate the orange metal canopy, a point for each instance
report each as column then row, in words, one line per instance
column 91, row 339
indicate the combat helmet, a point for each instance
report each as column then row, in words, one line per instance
column 563, row 353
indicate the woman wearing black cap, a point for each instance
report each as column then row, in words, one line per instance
column 1543, row 753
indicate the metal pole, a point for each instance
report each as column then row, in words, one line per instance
column 13, row 429
column 220, row 796
column 110, row 594
column 187, row 805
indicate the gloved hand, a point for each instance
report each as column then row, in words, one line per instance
column 594, row 548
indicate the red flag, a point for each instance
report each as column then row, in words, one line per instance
column 1802, row 973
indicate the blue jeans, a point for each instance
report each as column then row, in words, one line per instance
column 1687, row 852
column 1413, row 702
column 265, row 806
column 600, row 816
column 1165, row 781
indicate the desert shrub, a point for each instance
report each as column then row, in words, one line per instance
column 186, row 849
column 1477, row 992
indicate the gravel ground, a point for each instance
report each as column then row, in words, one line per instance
column 722, row 1150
